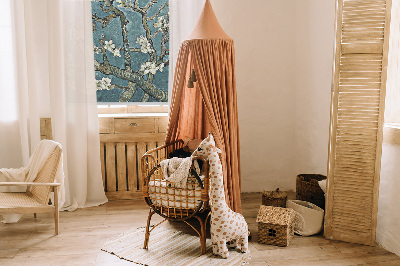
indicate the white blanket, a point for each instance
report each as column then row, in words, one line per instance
column 29, row 173
column 176, row 170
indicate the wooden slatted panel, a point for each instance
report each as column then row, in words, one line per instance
column 161, row 153
column 131, row 161
column 141, row 149
column 151, row 145
column 110, row 167
column 121, row 167
column 120, row 174
column 103, row 167
column 356, row 119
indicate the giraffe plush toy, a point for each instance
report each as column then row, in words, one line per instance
column 226, row 225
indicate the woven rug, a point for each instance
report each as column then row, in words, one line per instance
column 168, row 247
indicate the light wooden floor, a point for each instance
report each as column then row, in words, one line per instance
column 83, row 232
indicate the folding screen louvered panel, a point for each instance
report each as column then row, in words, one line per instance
column 358, row 96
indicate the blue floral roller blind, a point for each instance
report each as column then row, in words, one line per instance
column 131, row 41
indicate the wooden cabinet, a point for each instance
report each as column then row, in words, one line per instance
column 123, row 141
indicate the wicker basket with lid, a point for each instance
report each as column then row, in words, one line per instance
column 274, row 198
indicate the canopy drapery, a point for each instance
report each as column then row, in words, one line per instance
column 210, row 106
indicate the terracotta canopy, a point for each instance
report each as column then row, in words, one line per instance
column 210, row 105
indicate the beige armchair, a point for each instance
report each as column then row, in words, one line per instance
column 36, row 197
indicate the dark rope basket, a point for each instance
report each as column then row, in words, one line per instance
column 274, row 198
column 308, row 189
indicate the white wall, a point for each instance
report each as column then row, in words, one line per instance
column 284, row 52
column 314, row 60
column 284, row 56
column 388, row 227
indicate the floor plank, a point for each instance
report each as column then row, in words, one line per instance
column 82, row 233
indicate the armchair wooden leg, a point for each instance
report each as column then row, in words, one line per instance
column 34, row 215
column 56, row 212
column 147, row 235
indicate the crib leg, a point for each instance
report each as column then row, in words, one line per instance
column 147, row 235
column 203, row 236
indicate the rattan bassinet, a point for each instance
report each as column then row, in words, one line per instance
column 170, row 202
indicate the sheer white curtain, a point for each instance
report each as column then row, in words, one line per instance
column 183, row 15
column 10, row 155
column 55, row 78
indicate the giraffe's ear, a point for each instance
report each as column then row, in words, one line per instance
column 216, row 149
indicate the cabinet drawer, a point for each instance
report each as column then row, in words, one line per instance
column 134, row 125
column 162, row 124
column 106, row 125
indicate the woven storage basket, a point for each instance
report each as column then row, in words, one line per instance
column 275, row 225
column 274, row 198
column 308, row 189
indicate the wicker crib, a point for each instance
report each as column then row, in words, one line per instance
column 175, row 203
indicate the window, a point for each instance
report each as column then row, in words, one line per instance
column 392, row 108
column 8, row 94
column 131, row 51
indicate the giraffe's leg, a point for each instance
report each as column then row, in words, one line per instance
column 243, row 243
column 232, row 244
column 222, row 249
column 215, row 248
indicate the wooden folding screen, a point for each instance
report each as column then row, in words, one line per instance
column 358, row 96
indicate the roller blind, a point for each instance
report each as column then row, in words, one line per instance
column 358, row 97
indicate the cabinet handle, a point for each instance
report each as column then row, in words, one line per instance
column 133, row 124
